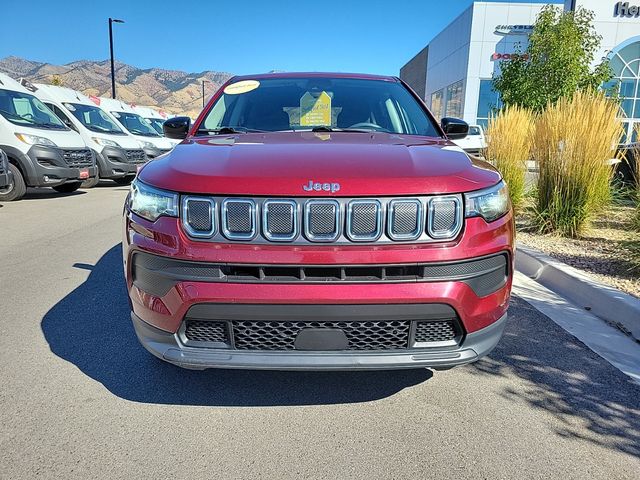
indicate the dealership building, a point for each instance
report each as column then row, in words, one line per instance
column 453, row 72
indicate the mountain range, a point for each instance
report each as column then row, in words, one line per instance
column 171, row 90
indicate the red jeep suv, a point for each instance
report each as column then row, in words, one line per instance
column 318, row 221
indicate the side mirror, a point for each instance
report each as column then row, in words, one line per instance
column 177, row 127
column 454, row 128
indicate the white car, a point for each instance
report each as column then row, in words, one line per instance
column 152, row 143
column 42, row 151
column 156, row 118
column 474, row 143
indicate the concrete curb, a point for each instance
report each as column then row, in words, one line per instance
column 606, row 302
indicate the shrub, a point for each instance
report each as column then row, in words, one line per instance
column 573, row 141
column 509, row 146
column 636, row 178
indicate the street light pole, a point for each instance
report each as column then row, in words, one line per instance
column 202, row 93
column 113, row 70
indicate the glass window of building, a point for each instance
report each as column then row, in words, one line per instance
column 437, row 104
column 454, row 100
column 488, row 102
column 625, row 64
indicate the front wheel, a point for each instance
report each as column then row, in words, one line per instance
column 16, row 189
column 92, row 182
column 67, row 187
column 124, row 180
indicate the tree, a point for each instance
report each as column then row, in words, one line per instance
column 557, row 62
column 56, row 80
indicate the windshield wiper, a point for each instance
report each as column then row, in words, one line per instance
column 324, row 128
column 227, row 130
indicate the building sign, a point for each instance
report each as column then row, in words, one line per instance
column 623, row 9
column 508, row 56
column 513, row 29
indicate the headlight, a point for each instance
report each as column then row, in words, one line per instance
column 152, row 203
column 34, row 139
column 105, row 142
column 146, row 144
column 490, row 203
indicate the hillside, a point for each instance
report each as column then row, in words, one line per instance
column 172, row 90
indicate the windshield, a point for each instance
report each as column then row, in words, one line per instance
column 473, row 130
column 24, row 109
column 157, row 124
column 277, row 104
column 94, row 118
column 135, row 124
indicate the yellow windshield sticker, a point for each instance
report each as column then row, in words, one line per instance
column 241, row 87
column 315, row 110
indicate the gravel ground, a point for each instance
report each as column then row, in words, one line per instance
column 605, row 252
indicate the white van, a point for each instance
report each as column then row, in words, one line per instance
column 156, row 118
column 137, row 126
column 42, row 150
column 118, row 154
column 474, row 143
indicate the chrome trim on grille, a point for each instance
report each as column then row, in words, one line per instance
column 307, row 218
column 252, row 212
column 455, row 229
column 379, row 217
column 419, row 221
column 279, row 237
column 184, row 217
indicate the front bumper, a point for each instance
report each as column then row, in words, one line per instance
column 114, row 162
column 5, row 179
column 168, row 347
column 45, row 166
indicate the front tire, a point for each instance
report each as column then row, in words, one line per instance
column 124, row 180
column 67, row 187
column 15, row 190
column 92, row 182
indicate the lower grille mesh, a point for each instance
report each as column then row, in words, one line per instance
column 281, row 335
column 435, row 331
column 250, row 335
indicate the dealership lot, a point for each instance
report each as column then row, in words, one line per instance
column 80, row 397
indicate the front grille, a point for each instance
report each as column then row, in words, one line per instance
column 435, row 332
column 198, row 216
column 443, row 216
column 135, row 156
column 364, row 220
column 340, row 221
column 238, row 219
column 321, row 221
column 280, row 219
column 78, row 158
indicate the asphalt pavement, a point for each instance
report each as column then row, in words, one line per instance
column 80, row 398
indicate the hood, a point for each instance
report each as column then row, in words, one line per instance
column 282, row 163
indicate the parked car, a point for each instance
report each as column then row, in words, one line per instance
column 153, row 144
column 42, row 151
column 474, row 143
column 118, row 154
column 6, row 177
column 318, row 221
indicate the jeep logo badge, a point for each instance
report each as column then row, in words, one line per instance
column 318, row 187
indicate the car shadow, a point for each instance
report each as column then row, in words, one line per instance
column 91, row 328
column 45, row 193
column 586, row 397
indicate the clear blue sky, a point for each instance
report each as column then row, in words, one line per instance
column 236, row 36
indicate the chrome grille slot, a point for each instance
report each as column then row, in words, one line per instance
column 280, row 220
column 322, row 220
column 238, row 219
column 364, row 220
column 198, row 216
column 405, row 219
column 444, row 217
